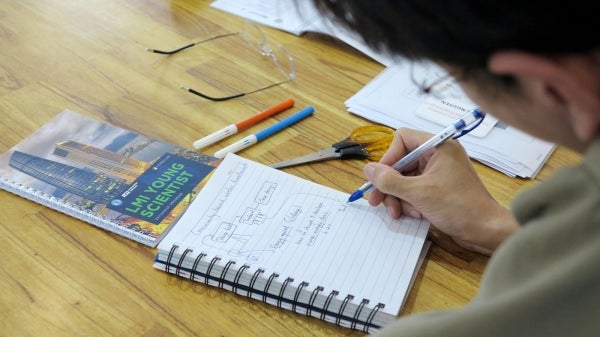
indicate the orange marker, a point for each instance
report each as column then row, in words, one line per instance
column 235, row 128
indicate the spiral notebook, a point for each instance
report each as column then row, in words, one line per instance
column 274, row 237
column 115, row 179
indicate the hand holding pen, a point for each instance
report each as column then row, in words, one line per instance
column 462, row 126
column 443, row 187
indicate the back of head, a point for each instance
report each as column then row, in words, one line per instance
column 465, row 33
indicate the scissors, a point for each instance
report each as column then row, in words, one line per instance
column 366, row 142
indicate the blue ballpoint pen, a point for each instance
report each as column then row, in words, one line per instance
column 456, row 130
column 255, row 138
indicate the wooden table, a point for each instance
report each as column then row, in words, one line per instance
column 63, row 277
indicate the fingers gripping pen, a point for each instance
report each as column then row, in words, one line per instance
column 459, row 128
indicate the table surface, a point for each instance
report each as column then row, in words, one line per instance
column 61, row 276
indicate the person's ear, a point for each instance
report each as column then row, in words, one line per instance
column 569, row 83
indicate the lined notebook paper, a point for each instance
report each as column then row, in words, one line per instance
column 272, row 236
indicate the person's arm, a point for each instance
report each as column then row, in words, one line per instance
column 444, row 188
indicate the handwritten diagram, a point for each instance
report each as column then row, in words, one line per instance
column 253, row 227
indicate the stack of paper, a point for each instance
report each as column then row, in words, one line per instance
column 296, row 17
column 392, row 99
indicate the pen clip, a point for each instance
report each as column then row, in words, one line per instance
column 479, row 118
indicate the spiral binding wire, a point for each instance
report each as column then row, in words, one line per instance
column 282, row 290
column 338, row 319
column 372, row 315
column 297, row 295
column 310, row 306
column 195, row 266
column 268, row 285
column 224, row 272
column 178, row 270
column 331, row 295
column 210, row 267
column 170, row 257
column 357, row 313
column 311, row 301
column 71, row 209
column 236, row 280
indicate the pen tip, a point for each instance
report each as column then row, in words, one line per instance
column 355, row 196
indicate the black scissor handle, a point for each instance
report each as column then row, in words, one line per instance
column 354, row 152
column 344, row 144
column 350, row 150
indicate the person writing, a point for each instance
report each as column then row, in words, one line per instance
column 535, row 66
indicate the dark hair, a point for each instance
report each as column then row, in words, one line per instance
column 465, row 33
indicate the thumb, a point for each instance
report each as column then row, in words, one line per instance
column 386, row 179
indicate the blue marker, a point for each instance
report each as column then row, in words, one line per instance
column 255, row 138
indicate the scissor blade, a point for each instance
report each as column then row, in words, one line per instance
column 312, row 157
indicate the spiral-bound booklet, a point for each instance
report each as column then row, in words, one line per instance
column 274, row 237
column 112, row 178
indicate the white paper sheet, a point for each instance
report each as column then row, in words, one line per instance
column 392, row 99
column 296, row 17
